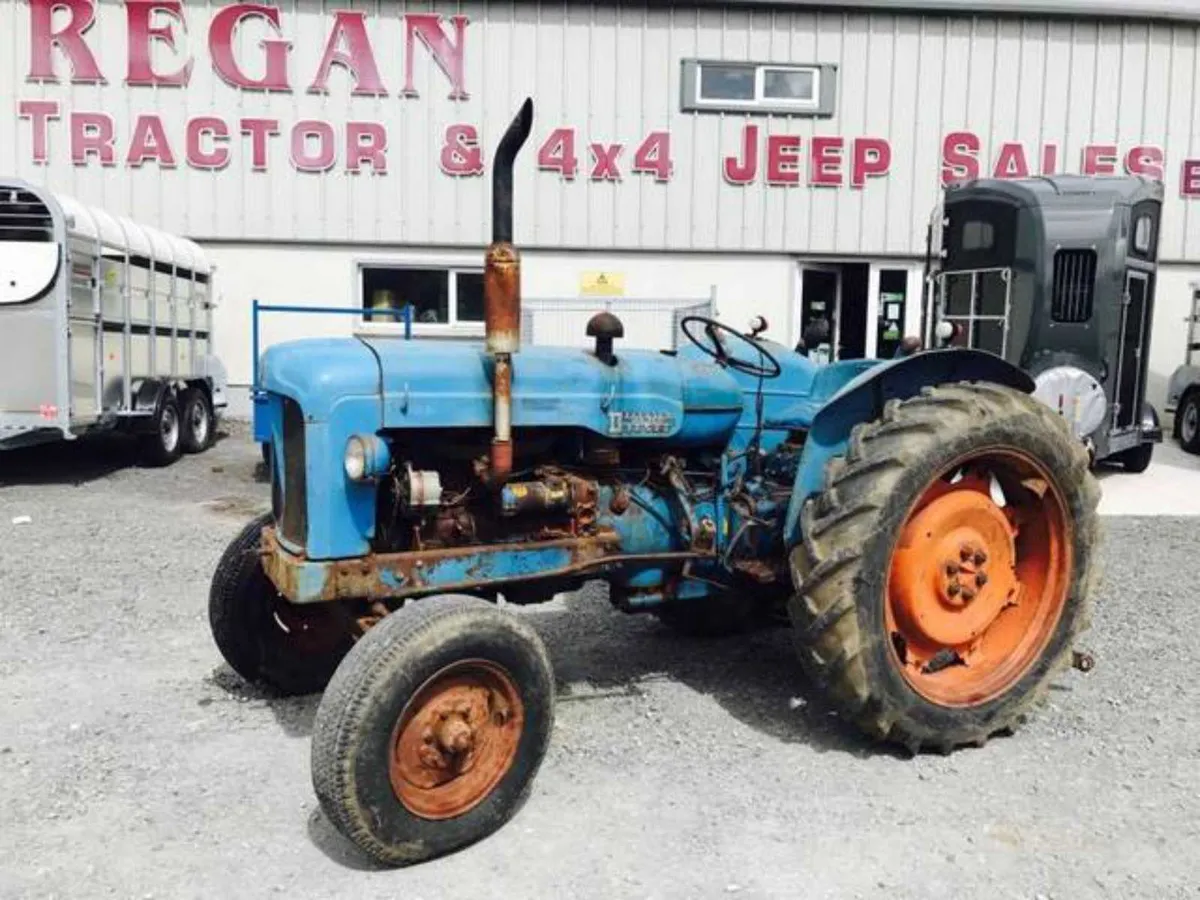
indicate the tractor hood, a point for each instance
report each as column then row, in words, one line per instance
column 645, row 394
column 320, row 373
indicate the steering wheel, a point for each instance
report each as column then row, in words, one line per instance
column 718, row 352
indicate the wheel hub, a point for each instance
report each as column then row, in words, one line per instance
column 456, row 739
column 952, row 571
column 978, row 580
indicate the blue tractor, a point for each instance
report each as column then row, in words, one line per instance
column 923, row 525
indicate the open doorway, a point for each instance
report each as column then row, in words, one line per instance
column 837, row 293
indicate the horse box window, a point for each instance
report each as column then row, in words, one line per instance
column 980, row 235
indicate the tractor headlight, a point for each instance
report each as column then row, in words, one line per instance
column 366, row 456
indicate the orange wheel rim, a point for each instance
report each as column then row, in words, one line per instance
column 978, row 578
column 455, row 739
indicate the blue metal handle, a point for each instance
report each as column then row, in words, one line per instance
column 406, row 311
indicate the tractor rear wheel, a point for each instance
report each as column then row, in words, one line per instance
column 431, row 731
column 292, row 648
column 946, row 568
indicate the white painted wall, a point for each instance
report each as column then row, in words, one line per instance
column 612, row 72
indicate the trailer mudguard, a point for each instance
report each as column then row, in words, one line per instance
column 862, row 400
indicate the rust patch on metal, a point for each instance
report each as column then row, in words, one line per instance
column 399, row 575
column 456, row 739
column 502, row 298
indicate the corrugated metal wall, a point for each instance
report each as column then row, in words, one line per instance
column 612, row 73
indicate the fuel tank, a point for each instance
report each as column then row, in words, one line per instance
column 643, row 394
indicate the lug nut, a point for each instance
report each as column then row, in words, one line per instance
column 951, row 568
column 965, row 552
column 980, row 557
column 954, row 588
column 981, row 578
column 968, row 594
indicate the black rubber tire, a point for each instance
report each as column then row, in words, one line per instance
column 196, row 439
column 353, row 724
column 1190, row 400
column 849, row 532
column 720, row 615
column 246, row 631
column 1137, row 459
column 163, row 444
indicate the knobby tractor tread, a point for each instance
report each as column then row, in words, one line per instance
column 849, row 530
column 351, row 742
column 245, row 629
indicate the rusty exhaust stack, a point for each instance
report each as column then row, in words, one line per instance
column 502, row 292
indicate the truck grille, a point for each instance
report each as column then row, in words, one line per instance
column 23, row 217
column 293, row 523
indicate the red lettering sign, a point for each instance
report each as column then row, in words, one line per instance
column 446, row 53
column 359, row 60
column 743, row 171
column 461, row 153
column 39, row 112
column 960, row 150
column 557, row 154
column 366, row 142
column 43, row 39
column 92, row 133
column 149, row 142
column 653, row 156
column 1011, row 162
column 783, row 159
column 1147, row 161
column 872, row 158
column 221, row 34
column 1189, row 182
column 197, row 130
column 605, row 162
column 825, row 162
column 259, row 130
column 142, row 35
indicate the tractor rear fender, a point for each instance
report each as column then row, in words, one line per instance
column 862, row 400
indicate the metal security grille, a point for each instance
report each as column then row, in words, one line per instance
column 650, row 323
column 1073, row 286
column 23, row 217
column 977, row 301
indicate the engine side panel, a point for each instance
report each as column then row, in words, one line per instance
column 644, row 395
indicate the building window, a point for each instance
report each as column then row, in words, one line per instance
column 440, row 296
column 758, row 87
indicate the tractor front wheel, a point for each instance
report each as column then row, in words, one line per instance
column 292, row 648
column 432, row 729
column 946, row 568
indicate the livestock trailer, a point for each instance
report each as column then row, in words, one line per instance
column 1057, row 274
column 105, row 324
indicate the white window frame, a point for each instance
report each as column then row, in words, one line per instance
column 760, row 78
column 454, row 328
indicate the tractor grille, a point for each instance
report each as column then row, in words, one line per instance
column 1074, row 285
column 23, row 217
column 293, row 523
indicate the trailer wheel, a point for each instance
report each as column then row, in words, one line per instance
column 431, row 731
column 1137, row 459
column 163, row 444
column 197, row 421
column 293, row 649
column 1187, row 421
column 945, row 569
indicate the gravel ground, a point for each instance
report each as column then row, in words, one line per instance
column 133, row 763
